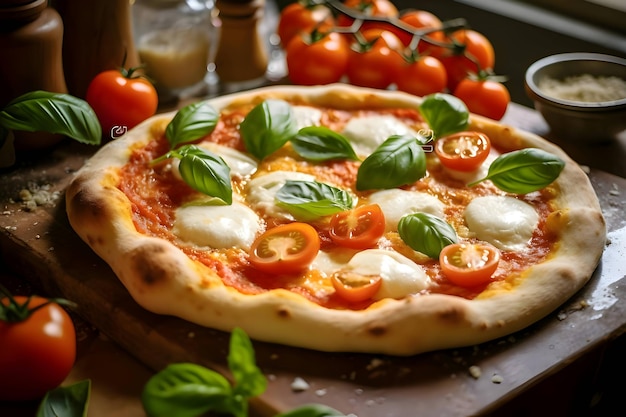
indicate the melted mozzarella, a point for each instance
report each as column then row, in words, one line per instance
column 217, row 227
column 400, row 275
column 505, row 222
column 238, row 162
column 261, row 191
column 367, row 133
column 397, row 203
column 306, row 116
column 476, row 175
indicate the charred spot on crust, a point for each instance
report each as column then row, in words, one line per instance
column 85, row 205
column 377, row 329
column 283, row 312
column 94, row 240
column 453, row 314
column 149, row 265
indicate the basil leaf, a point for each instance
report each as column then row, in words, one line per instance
column 53, row 113
column 444, row 113
column 524, row 171
column 249, row 380
column 312, row 410
column 185, row 390
column 309, row 200
column 267, row 127
column 319, row 143
column 205, row 172
column 70, row 401
column 426, row 233
column 398, row 161
column 191, row 123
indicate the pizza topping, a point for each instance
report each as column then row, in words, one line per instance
column 306, row 116
column 397, row 203
column 463, row 151
column 240, row 164
column 354, row 288
column 285, row 249
column 261, row 192
column 445, row 114
column 191, row 123
column 503, row 221
column 359, row 228
column 309, row 200
column 426, row 233
column 267, row 127
column 369, row 132
column 469, row 264
column 318, row 143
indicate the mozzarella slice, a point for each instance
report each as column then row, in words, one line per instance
column 306, row 116
column 217, row 227
column 400, row 275
column 505, row 222
column 261, row 191
column 476, row 175
column 239, row 163
column 367, row 133
column 397, row 203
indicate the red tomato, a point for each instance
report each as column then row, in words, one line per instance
column 421, row 20
column 381, row 8
column 36, row 353
column 426, row 75
column 297, row 18
column 485, row 97
column 121, row 100
column 375, row 64
column 473, row 52
column 317, row 59
column 463, row 151
column 355, row 288
column 360, row 228
column 469, row 264
column 285, row 249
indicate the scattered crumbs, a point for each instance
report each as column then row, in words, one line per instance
column 615, row 190
column 561, row 316
column 358, row 391
column 51, row 249
column 36, row 195
column 497, row 379
column 375, row 401
column 321, row 392
column 37, row 236
column 374, row 363
column 299, row 384
column 191, row 335
column 474, row 371
column 6, row 213
column 11, row 228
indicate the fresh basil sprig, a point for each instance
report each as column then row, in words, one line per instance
column 426, row 233
column 309, row 200
column 444, row 113
column 398, row 161
column 319, row 143
column 191, row 123
column 189, row 390
column 203, row 171
column 524, row 171
column 70, row 401
column 267, row 127
column 54, row 113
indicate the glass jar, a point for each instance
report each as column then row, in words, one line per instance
column 174, row 41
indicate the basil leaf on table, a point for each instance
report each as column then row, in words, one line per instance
column 54, row 113
column 267, row 127
column 524, row 171
column 70, row 401
column 185, row 390
column 319, row 143
column 249, row 380
column 426, row 233
column 309, row 200
column 444, row 113
column 398, row 161
column 191, row 123
column 312, row 410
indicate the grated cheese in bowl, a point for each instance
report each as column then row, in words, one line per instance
column 584, row 88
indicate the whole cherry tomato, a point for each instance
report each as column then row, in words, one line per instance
column 472, row 52
column 374, row 61
column 378, row 8
column 423, row 76
column 285, row 249
column 317, row 58
column 299, row 17
column 121, row 100
column 37, row 347
column 420, row 20
column 469, row 264
column 485, row 97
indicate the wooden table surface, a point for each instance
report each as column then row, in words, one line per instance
column 564, row 359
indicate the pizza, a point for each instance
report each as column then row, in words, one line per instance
column 342, row 219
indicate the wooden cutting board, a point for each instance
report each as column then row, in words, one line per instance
column 40, row 245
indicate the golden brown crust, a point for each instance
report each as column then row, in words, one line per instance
column 162, row 279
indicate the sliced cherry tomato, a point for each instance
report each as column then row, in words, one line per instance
column 37, row 347
column 359, row 228
column 375, row 62
column 317, row 58
column 380, row 8
column 121, row 100
column 463, row 151
column 355, row 288
column 285, row 249
column 485, row 97
column 299, row 17
column 425, row 75
column 469, row 264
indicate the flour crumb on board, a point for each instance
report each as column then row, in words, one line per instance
column 299, row 384
column 475, row 371
column 36, row 195
column 497, row 379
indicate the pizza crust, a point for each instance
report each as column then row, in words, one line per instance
column 162, row 279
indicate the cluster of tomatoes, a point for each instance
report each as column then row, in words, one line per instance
column 372, row 44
